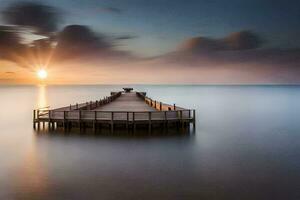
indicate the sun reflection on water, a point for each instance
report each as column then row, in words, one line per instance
column 31, row 178
column 42, row 96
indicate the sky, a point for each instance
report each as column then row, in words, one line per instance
column 154, row 32
column 159, row 25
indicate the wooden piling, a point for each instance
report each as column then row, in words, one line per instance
column 34, row 117
column 38, row 118
column 194, row 119
column 64, row 121
column 181, row 119
column 165, row 119
column 149, row 125
column 127, row 120
column 133, row 121
column 95, row 121
column 79, row 121
column 49, row 120
column 112, row 122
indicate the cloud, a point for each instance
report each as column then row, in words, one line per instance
column 44, row 19
column 110, row 10
column 243, row 40
column 234, row 59
column 272, row 57
column 9, row 39
column 74, row 42
column 201, row 44
column 126, row 37
column 238, row 58
column 78, row 40
column 10, row 43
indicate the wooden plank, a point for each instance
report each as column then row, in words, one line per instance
column 127, row 102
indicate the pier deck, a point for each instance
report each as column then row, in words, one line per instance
column 126, row 108
column 127, row 102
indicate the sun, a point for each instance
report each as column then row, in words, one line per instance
column 42, row 74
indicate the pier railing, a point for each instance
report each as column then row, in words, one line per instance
column 157, row 104
column 46, row 113
column 129, row 116
column 91, row 104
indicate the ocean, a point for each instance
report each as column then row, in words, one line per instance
column 246, row 146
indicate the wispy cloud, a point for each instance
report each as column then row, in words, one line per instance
column 125, row 37
column 9, row 73
column 243, row 40
column 108, row 9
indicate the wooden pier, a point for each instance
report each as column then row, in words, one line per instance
column 125, row 109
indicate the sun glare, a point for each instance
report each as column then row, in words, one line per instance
column 42, row 74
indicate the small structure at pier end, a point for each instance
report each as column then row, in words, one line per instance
column 126, row 109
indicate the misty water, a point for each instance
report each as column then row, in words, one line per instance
column 246, row 146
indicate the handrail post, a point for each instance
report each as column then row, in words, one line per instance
column 174, row 106
column 160, row 106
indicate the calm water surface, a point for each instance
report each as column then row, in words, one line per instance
column 246, row 146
